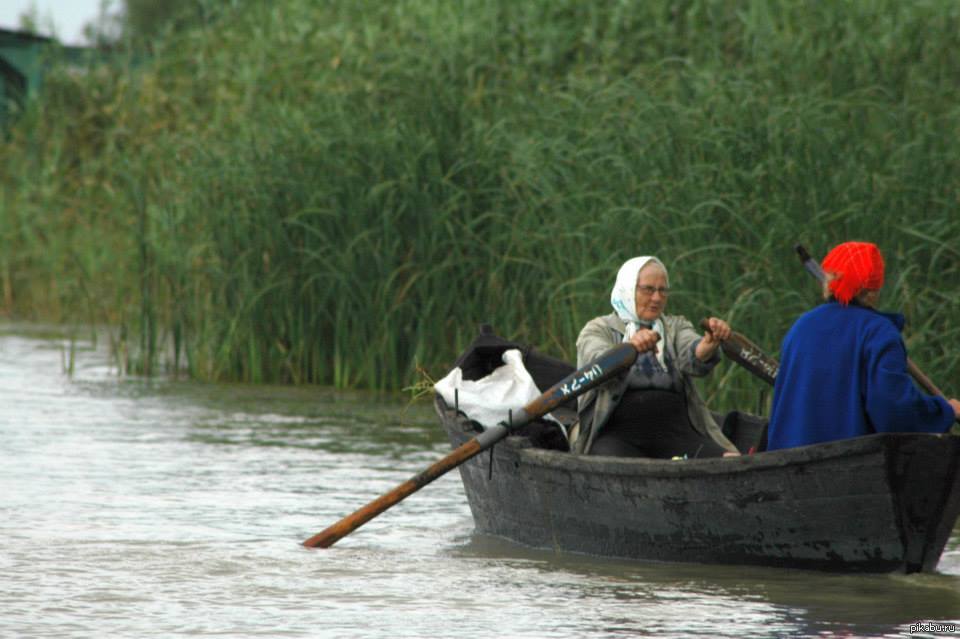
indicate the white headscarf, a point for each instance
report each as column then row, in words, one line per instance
column 624, row 300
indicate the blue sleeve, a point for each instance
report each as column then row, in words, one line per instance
column 893, row 403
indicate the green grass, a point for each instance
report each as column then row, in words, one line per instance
column 339, row 192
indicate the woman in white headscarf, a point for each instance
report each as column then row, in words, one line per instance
column 653, row 410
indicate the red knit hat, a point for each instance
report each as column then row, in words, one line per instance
column 855, row 266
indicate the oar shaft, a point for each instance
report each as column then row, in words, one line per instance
column 925, row 382
column 348, row 524
column 605, row 367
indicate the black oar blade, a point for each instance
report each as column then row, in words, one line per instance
column 748, row 355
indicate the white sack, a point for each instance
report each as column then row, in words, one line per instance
column 489, row 400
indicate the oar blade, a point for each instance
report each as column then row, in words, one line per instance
column 748, row 355
column 608, row 365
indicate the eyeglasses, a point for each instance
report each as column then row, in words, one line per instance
column 650, row 290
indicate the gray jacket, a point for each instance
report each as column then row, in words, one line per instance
column 679, row 342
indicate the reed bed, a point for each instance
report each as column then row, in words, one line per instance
column 339, row 193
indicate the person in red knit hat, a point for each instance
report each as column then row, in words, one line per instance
column 843, row 365
column 854, row 268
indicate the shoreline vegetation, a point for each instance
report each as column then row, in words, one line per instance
column 339, row 193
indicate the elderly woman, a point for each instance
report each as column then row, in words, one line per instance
column 843, row 365
column 654, row 409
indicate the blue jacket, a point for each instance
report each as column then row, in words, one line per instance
column 843, row 373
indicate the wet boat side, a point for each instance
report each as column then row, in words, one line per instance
column 875, row 504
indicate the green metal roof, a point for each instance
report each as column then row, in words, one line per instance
column 21, row 68
column 25, row 58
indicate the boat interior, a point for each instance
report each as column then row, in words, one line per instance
column 484, row 355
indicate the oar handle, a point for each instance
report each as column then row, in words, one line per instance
column 815, row 269
column 590, row 376
column 747, row 354
column 810, row 264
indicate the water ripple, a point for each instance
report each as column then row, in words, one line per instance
column 163, row 508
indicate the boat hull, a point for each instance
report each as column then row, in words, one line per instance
column 883, row 503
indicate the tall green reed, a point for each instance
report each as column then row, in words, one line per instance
column 338, row 193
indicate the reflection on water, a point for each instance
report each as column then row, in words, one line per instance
column 818, row 601
column 158, row 508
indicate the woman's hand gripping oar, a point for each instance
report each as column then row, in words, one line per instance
column 747, row 354
column 817, row 271
column 605, row 367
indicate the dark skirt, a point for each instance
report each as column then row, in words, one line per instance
column 653, row 423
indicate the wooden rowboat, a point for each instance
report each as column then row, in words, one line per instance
column 881, row 503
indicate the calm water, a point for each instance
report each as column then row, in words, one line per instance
column 137, row 508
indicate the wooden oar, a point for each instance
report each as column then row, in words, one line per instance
column 816, row 270
column 606, row 366
column 747, row 354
